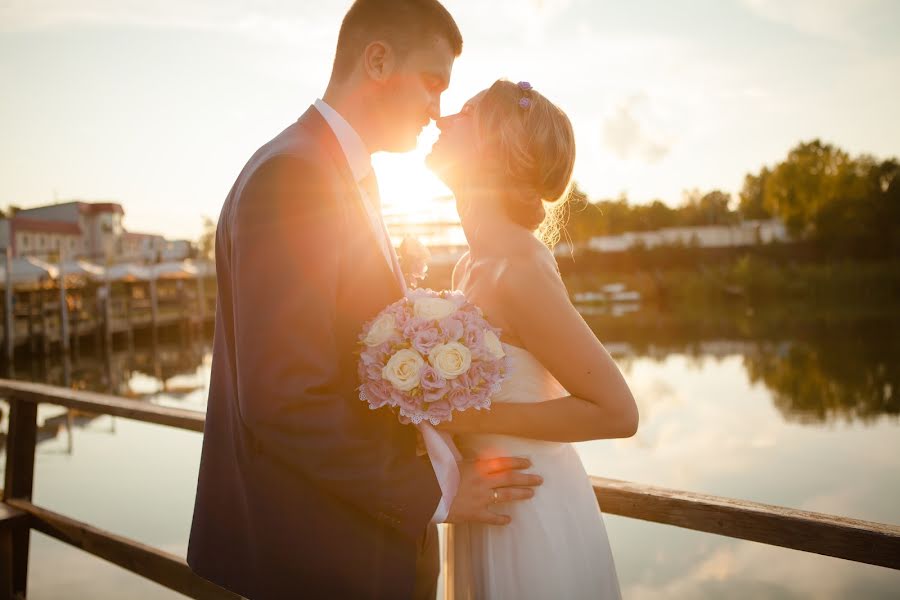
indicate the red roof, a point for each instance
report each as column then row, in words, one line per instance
column 136, row 235
column 44, row 226
column 92, row 208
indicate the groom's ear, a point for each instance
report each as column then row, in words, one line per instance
column 379, row 60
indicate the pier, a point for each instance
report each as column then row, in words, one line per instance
column 61, row 306
column 828, row 535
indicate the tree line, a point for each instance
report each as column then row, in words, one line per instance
column 849, row 205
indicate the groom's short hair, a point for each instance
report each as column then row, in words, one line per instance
column 402, row 23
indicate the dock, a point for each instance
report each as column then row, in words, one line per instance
column 59, row 307
column 806, row 531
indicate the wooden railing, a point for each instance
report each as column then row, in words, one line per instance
column 851, row 539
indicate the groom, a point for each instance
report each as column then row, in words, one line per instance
column 303, row 491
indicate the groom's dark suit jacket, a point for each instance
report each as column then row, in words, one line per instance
column 303, row 491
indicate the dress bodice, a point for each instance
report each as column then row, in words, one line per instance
column 527, row 381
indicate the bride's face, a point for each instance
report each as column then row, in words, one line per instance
column 454, row 157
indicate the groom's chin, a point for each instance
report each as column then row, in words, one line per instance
column 402, row 144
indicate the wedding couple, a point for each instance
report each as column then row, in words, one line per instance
column 303, row 491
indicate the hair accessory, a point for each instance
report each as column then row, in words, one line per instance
column 525, row 101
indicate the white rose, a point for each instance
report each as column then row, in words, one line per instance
column 450, row 360
column 381, row 330
column 404, row 369
column 433, row 308
column 493, row 345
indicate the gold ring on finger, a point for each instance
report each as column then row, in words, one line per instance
column 496, row 496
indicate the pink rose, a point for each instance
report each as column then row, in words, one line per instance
column 423, row 337
column 473, row 338
column 439, row 412
column 459, row 398
column 433, row 385
column 451, row 329
column 378, row 393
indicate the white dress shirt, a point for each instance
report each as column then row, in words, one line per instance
column 360, row 162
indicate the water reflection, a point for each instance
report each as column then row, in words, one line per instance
column 164, row 372
column 819, row 368
column 734, row 403
column 121, row 372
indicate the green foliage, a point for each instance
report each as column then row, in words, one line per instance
column 752, row 196
column 846, row 206
column 588, row 219
column 850, row 206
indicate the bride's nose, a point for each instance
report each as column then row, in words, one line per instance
column 444, row 122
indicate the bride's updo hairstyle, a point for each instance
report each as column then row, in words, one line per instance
column 529, row 146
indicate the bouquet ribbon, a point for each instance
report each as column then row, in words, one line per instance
column 444, row 455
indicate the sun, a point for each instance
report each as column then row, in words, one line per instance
column 408, row 188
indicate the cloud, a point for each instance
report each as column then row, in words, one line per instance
column 271, row 21
column 832, row 19
column 629, row 135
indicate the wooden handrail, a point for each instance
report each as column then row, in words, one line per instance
column 104, row 404
column 165, row 569
column 851, row 539
column 841, row 537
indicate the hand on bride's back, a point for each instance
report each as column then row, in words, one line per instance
column 483, row 483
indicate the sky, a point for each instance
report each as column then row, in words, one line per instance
column 157, row 105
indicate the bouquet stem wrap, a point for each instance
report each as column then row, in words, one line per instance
column 444, row 456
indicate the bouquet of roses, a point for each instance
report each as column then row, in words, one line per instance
column 429, row 354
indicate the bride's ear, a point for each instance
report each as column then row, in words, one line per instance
column 379, row 60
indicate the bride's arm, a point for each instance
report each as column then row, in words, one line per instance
column 537, row 307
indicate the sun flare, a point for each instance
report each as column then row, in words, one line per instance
column 414, row 201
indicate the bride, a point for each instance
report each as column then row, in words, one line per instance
column 507, row 152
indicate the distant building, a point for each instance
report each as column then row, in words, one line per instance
column 178, row 250
column 151, row 248
column 84, row 230
column 100, row 224
column 747, row 233
column 41, row 239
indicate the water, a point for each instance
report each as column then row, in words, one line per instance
column 798, row 410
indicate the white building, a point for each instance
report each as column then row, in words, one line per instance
column 150, row 248
column 84, row 230
column 747, row 233
column 100, row 224
column 41, row 239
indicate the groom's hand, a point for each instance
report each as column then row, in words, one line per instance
column 484, row 483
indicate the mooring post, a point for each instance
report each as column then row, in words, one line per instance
column 63, row 305
column 8, row 308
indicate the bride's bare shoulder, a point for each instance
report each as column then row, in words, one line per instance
column 527, row 266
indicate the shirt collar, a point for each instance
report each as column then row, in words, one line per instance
column 354, row 149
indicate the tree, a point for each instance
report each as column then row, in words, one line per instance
column 655, row 215
column 752, row 196
column 711, row 208
column 805, row 182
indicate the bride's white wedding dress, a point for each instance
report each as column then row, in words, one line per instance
column 556, row 545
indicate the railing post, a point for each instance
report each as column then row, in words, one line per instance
column 20, row 446
column 8, row 308
column 63, row 304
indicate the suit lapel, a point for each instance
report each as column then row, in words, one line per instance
column 313, row 121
